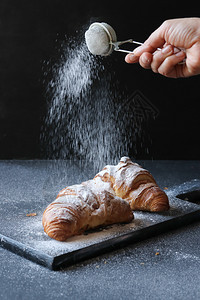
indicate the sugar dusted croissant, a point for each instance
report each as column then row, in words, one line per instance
column 107, row 199
column 80, row 207
column 136, row 185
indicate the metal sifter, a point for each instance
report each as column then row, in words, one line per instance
column 101, row 40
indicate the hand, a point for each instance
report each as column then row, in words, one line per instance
column 179, row 39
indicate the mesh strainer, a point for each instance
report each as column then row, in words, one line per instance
column 101, row 40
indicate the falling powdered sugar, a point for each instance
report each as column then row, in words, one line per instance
column 81, row 120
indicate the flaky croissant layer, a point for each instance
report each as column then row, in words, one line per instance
column 107, row 199
column 136, row 185
column 78, row 208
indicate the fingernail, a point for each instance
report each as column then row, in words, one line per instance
column 145, row 60
column 167, row 49
column 132, row 57
column 180, row 54
column 176, row 50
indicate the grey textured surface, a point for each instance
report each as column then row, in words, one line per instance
column 132, row 272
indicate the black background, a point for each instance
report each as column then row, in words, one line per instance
column 29, row 32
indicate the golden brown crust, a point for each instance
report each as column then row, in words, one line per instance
column 136, row 185
column 107, row 199
column 81, row 209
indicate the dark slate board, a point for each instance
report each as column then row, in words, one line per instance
column 24, row 235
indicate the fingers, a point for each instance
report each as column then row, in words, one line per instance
column 131, row 58
column 153, row 61
column 145, row 60
column 170, row 67
column 164, row 61
column 143, row 54
column 155, row 40
column 160, row 56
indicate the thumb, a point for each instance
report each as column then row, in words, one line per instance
column 154, row 41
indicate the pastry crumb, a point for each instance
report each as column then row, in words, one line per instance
column 31, row 215
column 165, row 188
column 157, row 253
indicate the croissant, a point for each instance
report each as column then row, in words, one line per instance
column 108, row 198
column 135, row 185
column 84, row 206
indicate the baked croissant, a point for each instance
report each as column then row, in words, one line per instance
column 107, row 199
column 84, row 206
column 135, row 185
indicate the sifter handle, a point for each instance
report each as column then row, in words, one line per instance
column 117, row 44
